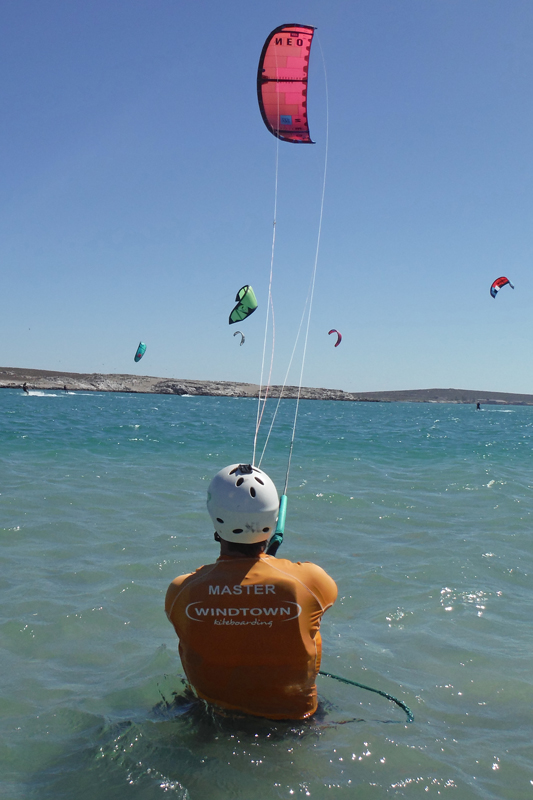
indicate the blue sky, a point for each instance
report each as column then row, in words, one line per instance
column 137, row 191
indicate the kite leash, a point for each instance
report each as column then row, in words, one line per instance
column 400, row 703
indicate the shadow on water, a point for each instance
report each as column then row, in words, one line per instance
column 185, row 749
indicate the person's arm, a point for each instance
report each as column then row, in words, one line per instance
column 173, row 592
column 321, row 584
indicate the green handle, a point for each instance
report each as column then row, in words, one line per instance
column 280, row 527
column 277, row 538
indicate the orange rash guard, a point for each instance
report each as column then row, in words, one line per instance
column 248, row 631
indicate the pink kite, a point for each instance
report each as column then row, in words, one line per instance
column 282, row 82
column 339, row 336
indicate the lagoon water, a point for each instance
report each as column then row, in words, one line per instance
column 422, row 514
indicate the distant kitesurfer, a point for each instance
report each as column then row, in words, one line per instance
column 478, row 407
column 65, row 389
column 25, row 387
column 248, row 624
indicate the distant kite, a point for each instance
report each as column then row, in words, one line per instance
column 339, row 336
column 246, row 305
column 141, row 350
column 242, row 337
column 497, row 285
column 282, row 82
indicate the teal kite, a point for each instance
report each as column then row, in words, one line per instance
column 246, row 305
column 141, row 350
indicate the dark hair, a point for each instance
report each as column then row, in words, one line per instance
column 251, row 550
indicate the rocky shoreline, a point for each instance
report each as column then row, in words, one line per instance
column 14, row 378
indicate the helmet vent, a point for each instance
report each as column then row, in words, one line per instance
column 240, row 482
column 220, row 520
column 252, row 491
column 266, row 530
column 259, row 480
column 237, row 530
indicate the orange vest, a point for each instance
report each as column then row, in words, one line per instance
column 248, row 631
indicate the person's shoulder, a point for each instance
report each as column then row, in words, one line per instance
column 314, row 578
column 305, row 571
column 302, row 566
column 190, row 576
column 181, row 583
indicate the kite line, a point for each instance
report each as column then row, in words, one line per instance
column 282, row 97
column 261, row 402
column 313, row 280
column 277, row 538
column 282, row 123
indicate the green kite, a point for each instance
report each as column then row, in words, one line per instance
column 246, row 305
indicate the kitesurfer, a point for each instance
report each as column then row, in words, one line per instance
column 25, row 387
column 248, row 624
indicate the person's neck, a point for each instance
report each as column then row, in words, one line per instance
column 226, row 551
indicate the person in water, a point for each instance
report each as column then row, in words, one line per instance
column 25, row 387
column 248, row 625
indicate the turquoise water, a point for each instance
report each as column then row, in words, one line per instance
column 422, row 514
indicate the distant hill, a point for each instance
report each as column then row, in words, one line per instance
column 12, row 378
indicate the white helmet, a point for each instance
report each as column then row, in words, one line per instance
column 243, row 504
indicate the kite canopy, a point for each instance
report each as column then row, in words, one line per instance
column 140, row 351
column 246, row 305
column 242, row 336
column 339, row 336
column 282, row 82
column 497, row 285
